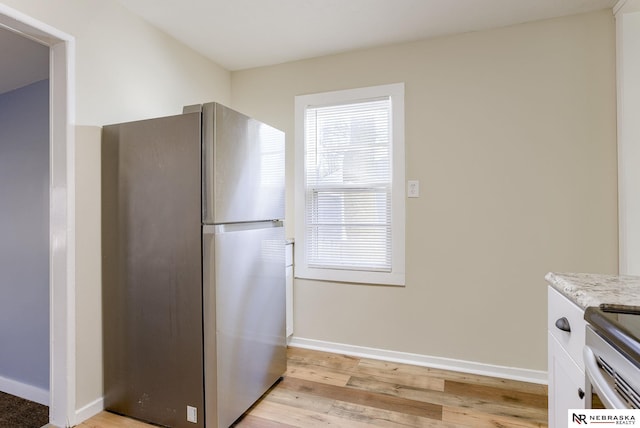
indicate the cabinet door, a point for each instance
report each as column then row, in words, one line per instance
column 288, row 259
column 566, row 384
column 289, row 284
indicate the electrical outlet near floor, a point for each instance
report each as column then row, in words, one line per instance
column 192, row 414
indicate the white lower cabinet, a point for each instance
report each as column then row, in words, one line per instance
column 566, row 332
column 566, row 385
column 289, row 288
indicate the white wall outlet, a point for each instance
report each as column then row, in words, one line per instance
column 413, row 188
column 192, row 414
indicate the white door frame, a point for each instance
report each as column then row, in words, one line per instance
column 62, row 387
column 627, row 13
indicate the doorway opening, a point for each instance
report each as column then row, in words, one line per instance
column 24, row 226
column 61, row 210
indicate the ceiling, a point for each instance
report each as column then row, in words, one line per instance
column 240, row 34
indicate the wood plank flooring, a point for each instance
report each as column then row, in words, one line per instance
column 322, row 389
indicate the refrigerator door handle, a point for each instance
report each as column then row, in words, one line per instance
column 238, row 227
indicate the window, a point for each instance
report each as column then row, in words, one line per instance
column 350, row 185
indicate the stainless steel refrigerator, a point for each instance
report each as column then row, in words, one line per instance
column 193, row 266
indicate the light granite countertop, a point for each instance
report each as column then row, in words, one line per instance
column 587, row 289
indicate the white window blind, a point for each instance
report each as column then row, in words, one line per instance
column 348, row 185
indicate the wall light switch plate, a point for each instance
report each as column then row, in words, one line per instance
column 413, row 188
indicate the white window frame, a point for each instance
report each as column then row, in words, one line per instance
column 397, row 274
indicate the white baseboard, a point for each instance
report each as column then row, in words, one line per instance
column 89, row 410
column 24, row 390
column 525, row 375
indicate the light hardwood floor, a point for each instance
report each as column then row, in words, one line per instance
column 322, row 389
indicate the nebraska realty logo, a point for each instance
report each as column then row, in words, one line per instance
column 602, row 417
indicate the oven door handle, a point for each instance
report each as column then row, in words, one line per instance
column 603, row 388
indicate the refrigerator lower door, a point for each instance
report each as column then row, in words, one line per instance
column 244, row 292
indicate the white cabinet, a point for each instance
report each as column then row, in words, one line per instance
column 289, row 287
column 566, row 335
column 566, row 381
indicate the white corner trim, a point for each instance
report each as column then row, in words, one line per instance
column 619, row 5
column 24, row 390
column 90, row 410
column 626, row 6
column 512, row 373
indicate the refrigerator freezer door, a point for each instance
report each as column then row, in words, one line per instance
column 244, row 289
column 152, row 270
column 243, row 168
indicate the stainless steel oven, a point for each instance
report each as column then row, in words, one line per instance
column 612, row 357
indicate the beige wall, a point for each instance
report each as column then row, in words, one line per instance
column 89, row 385
column 511, row 133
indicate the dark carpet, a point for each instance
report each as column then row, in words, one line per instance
column 17, row 412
